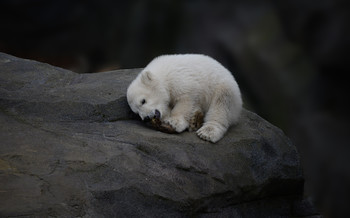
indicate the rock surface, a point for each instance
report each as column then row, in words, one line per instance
column 69, row 146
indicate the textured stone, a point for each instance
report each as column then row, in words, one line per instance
column 71, row 147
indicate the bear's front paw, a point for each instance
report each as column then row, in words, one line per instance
column 178, row 123
column 211, row 132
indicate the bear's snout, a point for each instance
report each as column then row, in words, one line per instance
column 156, row 115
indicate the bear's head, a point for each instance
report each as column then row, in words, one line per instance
column 148, row 97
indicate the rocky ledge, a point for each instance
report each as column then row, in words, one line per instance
column 71, row 147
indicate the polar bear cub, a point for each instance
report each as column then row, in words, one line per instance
column 174, row 87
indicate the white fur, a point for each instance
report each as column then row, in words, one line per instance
column 179, row 85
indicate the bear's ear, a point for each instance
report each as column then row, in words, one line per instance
column 146, row 77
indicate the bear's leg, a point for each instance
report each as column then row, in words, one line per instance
column 180, row 115
column 216, row 123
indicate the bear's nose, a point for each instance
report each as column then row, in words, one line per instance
column 157, row 114
column 146, row 119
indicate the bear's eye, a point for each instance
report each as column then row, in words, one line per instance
column 143, row 101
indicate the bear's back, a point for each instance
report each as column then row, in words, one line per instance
column 192, row 74
column 188, row 66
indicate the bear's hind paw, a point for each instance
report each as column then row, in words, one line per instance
column 210, row 133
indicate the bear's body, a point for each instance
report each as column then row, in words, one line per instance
column 175, row 87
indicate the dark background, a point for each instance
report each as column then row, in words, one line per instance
column 290, row 58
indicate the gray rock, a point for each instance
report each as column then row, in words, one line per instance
column 71, row 147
